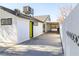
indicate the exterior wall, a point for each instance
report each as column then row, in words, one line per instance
column 48, row 28
column 38, row 30
column 15, row 33
column 62, row 39
column 23, row 30
column 8, row 33
column 70, row 33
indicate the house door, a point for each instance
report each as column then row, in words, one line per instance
column 31, row 29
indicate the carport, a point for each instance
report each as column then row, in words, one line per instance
column 53, row 27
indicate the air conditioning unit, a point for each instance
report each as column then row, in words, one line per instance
column 27, row 10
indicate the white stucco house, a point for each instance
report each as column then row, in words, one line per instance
column 14, row 26
column 37, row 27
column 45, row 19
column 70, row 33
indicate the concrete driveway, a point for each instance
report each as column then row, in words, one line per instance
column 48, row 44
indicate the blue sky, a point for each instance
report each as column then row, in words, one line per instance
column 52, row 9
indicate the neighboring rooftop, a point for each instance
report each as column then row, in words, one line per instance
column 43, row 18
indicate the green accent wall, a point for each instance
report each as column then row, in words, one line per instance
column 31, row 29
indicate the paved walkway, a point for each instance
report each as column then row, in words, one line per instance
column 48, row 44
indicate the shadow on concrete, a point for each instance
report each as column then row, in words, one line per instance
column 32, row 53
column 40, row 43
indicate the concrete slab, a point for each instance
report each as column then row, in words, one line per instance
column 48, row 44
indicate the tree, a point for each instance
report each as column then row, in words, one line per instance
column 64, row 12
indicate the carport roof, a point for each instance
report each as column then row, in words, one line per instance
column 54, row 23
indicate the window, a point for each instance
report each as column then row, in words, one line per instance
column 6, row 21
column 35, row 23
